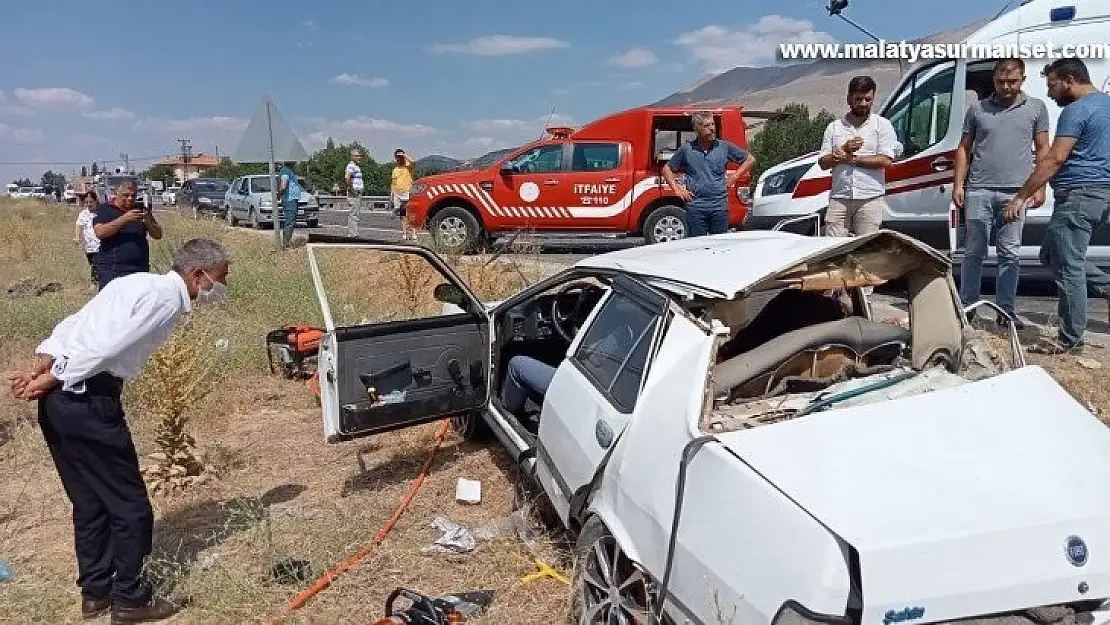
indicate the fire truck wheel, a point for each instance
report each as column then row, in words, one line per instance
column 472, row 427
column 456, row 230
column 666, row 223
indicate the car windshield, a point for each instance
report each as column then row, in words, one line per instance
column 211, row 186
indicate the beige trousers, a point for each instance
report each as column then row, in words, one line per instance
column 854, row 217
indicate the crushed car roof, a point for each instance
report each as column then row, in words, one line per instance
column 725, row 265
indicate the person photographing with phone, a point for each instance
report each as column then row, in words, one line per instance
column 123, row 228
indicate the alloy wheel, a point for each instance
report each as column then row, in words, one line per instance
column 614, row 591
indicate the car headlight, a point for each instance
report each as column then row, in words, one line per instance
column 784, row 181
column 264, row 202
column 744, row 194
column 205, row 200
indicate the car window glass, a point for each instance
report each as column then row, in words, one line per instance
column 543, row 159
column 618, row 340
column 595, row 156
column 260, row 185
column 921, row 111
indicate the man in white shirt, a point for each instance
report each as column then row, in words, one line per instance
column 858, row 148
column 78, row 379
column 353, row 176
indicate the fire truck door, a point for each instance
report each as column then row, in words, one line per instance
column 531, row 189
column 601, row 186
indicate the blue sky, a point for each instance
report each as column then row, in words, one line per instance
column 83, row 81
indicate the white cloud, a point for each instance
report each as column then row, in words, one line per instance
column 215, row 123
column 355, row 79
column 53, row 97
column 20, row 136
column 636, row 57
column 502, row 45
column 719, row 49
column 310, row 25
column 113, row 113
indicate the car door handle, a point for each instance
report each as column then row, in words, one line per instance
column 551, row 183
column 612, row 180
column 942, row 163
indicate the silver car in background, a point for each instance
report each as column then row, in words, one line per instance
column 249, row 200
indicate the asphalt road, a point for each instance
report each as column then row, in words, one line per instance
column 1036, row 298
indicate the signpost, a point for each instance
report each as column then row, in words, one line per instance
column 269, row 139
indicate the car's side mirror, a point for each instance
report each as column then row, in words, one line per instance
column 450, row 294
column 664, row 156
column 508, row 168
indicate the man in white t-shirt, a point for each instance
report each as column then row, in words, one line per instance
column 353, row 177
column 858, row 148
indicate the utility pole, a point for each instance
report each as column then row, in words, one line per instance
column 186, row 154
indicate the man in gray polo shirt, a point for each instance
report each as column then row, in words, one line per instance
column 1002, row 133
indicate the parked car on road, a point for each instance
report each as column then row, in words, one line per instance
column 169, row 196
column 202, row 195
column 726, row 435
column 248, row 199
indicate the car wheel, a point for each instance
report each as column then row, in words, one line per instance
column 230, row 216
column 608, row 587
column 257, row 225
column 471, row 427
column 666, row 223
column 456, row 230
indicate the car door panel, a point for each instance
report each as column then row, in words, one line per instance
column 377, row 377
column 536, row 194
column 585, row 410
column 599, row 189
column 400, row 374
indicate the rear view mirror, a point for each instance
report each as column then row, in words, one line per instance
column 507, row 168
column 449, row 294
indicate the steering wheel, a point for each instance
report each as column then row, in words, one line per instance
column 567, row 324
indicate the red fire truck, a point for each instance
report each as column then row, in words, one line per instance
column 604, row 178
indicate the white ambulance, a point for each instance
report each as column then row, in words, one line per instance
column 927, row 110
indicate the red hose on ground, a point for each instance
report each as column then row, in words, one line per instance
column 326, row 579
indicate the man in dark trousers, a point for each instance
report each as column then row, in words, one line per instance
column 122, row 229
column 77, row 380
column 705, row 160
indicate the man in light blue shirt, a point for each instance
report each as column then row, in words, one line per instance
column 1078, row 166
column 289, row 194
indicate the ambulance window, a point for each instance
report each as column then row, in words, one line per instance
column 595, row 156
column 541, row 160
column 921, row 111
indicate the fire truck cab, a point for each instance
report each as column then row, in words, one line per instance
column 602, row 179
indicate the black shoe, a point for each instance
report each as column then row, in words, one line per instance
column 94, row 608
column 154, row 610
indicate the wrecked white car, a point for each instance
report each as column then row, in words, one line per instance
column 734, row 438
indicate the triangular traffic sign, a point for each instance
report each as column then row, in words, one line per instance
column 267, row 122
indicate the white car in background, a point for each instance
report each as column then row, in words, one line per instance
column 726, row 435
column 249, row 199
column 169, row 196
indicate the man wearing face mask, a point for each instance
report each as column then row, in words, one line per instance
column 77, row 380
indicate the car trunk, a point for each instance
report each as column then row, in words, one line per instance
column 961, row 501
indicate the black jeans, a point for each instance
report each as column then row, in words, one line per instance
column 93, row 267
column 96, row 461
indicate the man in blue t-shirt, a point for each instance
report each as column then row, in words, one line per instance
column 1078, row 166
column 122, row 229
column 705, row 160
column 289, row 194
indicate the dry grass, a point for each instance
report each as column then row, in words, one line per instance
column 281, row 491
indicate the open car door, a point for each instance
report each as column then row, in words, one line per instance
column 393, row 355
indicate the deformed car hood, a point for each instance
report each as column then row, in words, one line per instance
column 964, row 501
